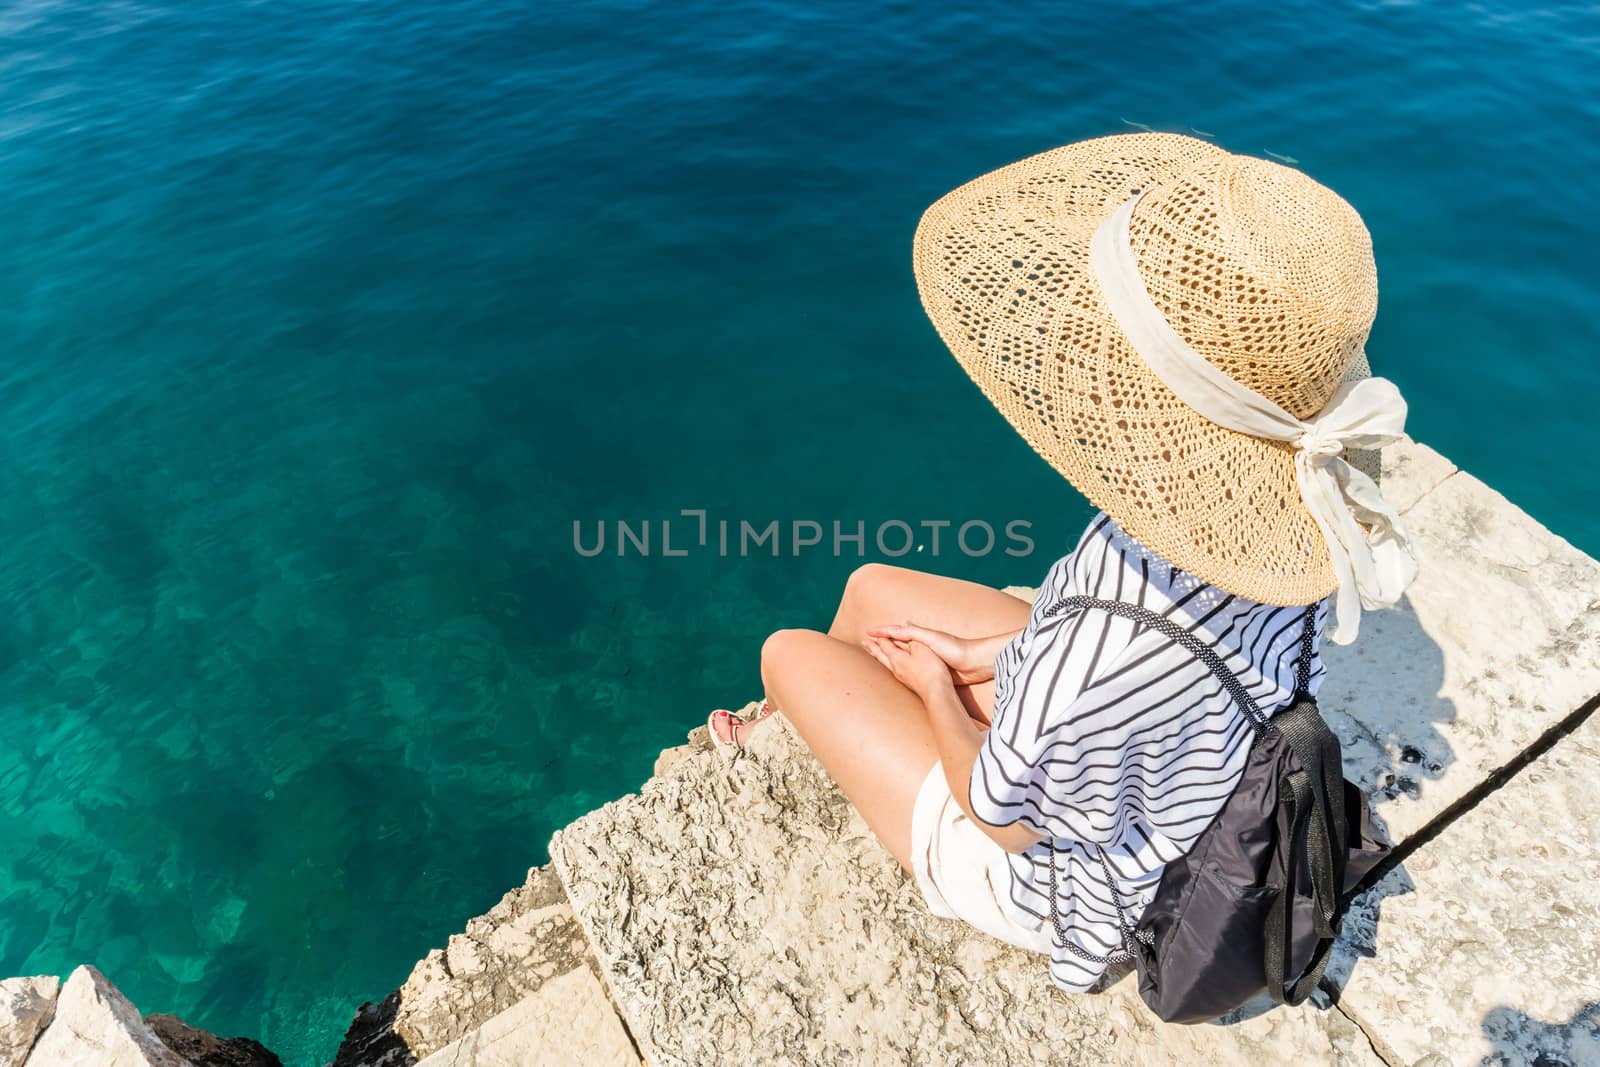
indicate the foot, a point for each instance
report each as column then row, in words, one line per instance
column 729, row 729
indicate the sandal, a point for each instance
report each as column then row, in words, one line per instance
column 734, row 722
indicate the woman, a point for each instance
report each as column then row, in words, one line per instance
column 1179, row 332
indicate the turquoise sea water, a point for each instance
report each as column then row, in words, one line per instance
column 323, row 321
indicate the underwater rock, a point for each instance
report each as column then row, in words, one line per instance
column 737, row 909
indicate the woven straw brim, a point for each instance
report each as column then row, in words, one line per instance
column 1002, row 266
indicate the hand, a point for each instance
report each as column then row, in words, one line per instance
column 914, row 665
column 969, row 660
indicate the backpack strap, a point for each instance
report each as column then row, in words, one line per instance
column 1183, row 636
column 1312, row 792
column 1308, row 836
column 1319, row 829
column 1318, row 818
column 1308, row 648
column 1132, row 936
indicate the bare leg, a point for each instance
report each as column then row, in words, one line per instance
column 878, row 594
column 869, row 732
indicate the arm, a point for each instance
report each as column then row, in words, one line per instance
column 958, row 739
column 955, row 735
column 970, row 659
column 984, row 650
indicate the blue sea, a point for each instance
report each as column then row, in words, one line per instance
column 323, row 322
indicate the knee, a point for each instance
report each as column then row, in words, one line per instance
column 865, row 592
column 866, row 581
column 779, row 651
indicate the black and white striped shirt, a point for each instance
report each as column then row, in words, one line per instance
column 1110, row 734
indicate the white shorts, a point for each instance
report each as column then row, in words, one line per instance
column 960, row 869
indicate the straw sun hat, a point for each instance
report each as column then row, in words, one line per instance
column 1264, row 273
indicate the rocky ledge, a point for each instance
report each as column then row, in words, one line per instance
column 87, row 1022
column 736, row 909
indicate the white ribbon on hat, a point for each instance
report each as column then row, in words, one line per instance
column 1373, row 565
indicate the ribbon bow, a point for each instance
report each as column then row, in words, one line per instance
column 1367, row 546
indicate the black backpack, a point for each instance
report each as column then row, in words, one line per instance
column 1256, row 903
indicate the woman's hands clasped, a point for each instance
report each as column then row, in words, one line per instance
column 926, row 661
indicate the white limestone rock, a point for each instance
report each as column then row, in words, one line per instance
column 742, row 912
column 503, row 957
column 26, row 1006
column 698, row 740
column 670, row 758
column 1496, row 642
column 1409, row 471
column 567, row 1023
column 95, row 1024
column 1482, row 947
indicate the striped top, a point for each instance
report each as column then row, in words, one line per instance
column 1110, row 734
